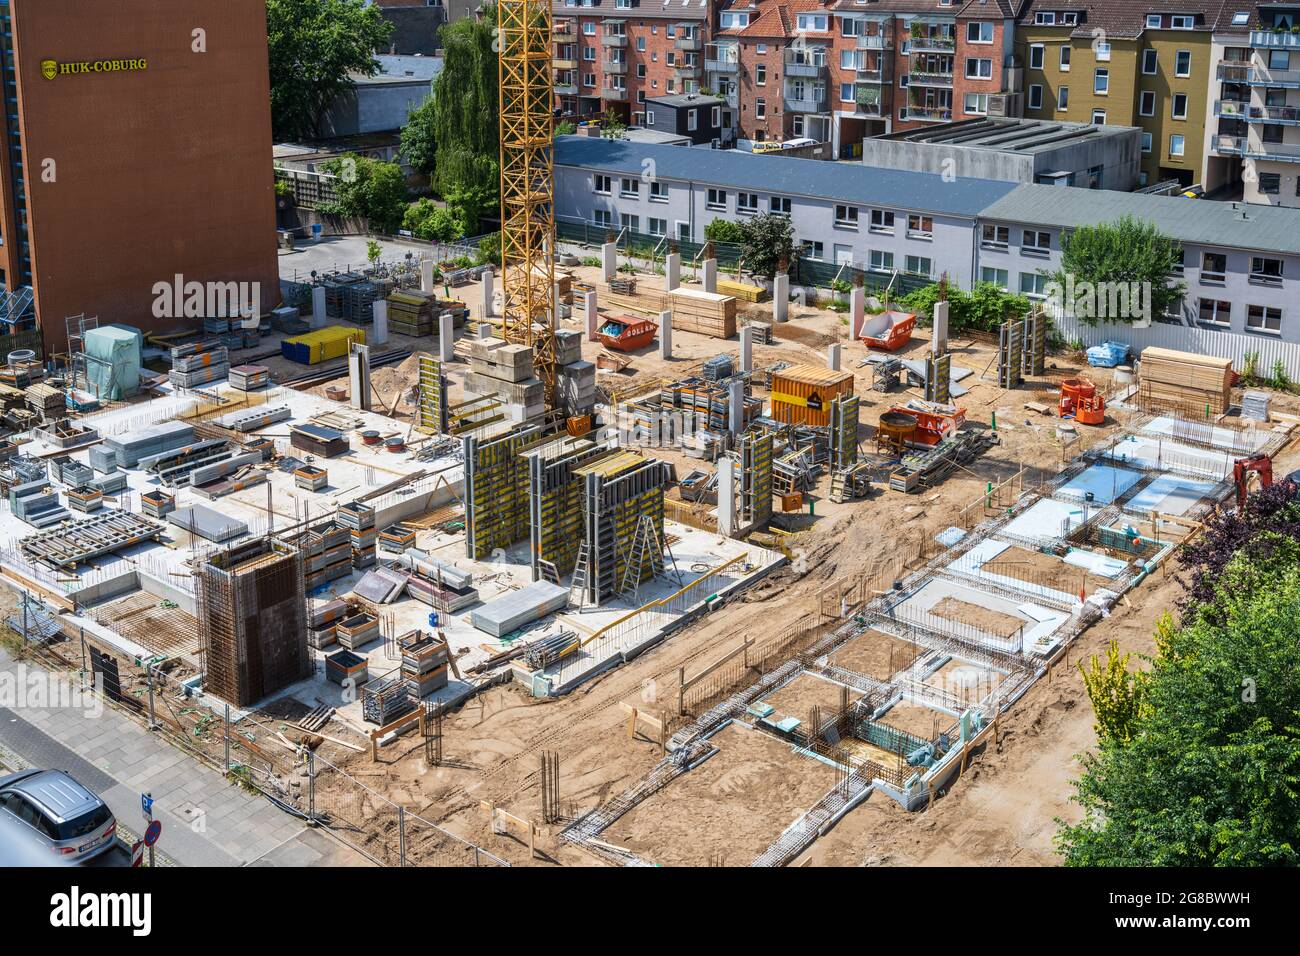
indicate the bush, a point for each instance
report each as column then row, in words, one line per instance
column 983, row 309
column 489, row 250
column 427, row 220
column 724, row 230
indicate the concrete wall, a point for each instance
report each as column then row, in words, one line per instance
column 374, row 107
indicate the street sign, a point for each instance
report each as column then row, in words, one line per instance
column 146, row 804
column 137, row 853
column 152, row 833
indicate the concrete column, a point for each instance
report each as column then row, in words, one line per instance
column 710, row 275
column 736, row 417
column 939, row 338
column 379, row 333
column 592, row 316
column 833, row 358
column 446, row 337
column 426, row 276
column 672, row 271
column 666, row 334
column 781, row 297
column 489, row 289
column 726, row 498
column 359, row 377
column 609, row 260
column 747, row 348
column 857, row 311
column 317, row 307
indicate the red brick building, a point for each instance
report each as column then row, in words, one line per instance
column 831, row 70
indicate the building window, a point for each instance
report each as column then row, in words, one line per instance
column 1150, row 62
column 733, row 21
column 1176, row 145
column 630, row 222
column 1042, row 19
column 602, row 217
column 850, row 28
column 760, row 108
column 796, row 125
column 846, row 216
column 882, row 221
column 1265, row 271
column 589, row 29
column 1270, row 184
column 640, row 44
column 589, row 54
column 979, row 32
column 778, row 205
column 811, row 23
column 1036, row 56
column 1062, row 99
column 602, row 185
column 1263, row 318
column 1214, row 311
column 658, row 227
column 978, row 69
column 1065, row 58
column 658, row 191
column 716, row 199
column 760, row 75
column 996, row 276
column 918, row 265
column 630, row 188
column 1183, row 63
column 1098, row 117
column 1146, row 142
column 1147, row 103
column 815, row 250
column 1033, row 285
column 1103, row 51
column 1214, row 267
column 1153, row 21
column 1035, row 242
column 1035, row 97
column 976, row 104
column 1101, row 82
column 746, row 202
column 995, row 237
column 1179, row 106
column 589, row 79
column 878, row 261
column 1182, row 23
column 920, row 227
column 692, row 120
column 1279, row 60
column 846, row 93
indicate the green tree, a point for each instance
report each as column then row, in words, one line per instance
column 466, row 172
column 767, row 241
column 1126, row 251
column 419, row 140
column 368, row 189
column 1115, row 692
column 983, row 308
column 565, row 128
column 1210, row 773
column 312, row 46
column 612, row 125
column 427, row 220
column 373, row 251
column 724, row 230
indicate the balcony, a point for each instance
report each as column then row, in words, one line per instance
column 1268, row 40
column 618, row 40
column 1243, row 147
column 565, row 32
column 1258, row 76
column 872, row 101
column 687, row 71
column 803, row 65
column 877, row 75
column 930, row 114
column 615, row 66
column 1237, row 109
column 933, row 44
column 566, row 88
column 808, row 102
column 721, row 58
column 564, row 63
column 875, row 42
column 614, row 95
column 690, row 42
column 931, row 79
column 732, row 98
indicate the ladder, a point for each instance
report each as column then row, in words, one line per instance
column 645, row 544
column 581, row 571
column 548, row 571
column 839, row 480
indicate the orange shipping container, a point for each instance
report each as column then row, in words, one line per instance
column 802, row 394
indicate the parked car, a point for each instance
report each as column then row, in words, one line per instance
column 67, row 820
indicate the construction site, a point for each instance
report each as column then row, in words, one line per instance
column 618, row 564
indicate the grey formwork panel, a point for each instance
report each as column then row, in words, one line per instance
column 510, row 612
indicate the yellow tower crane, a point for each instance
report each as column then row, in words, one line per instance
column 527, row 182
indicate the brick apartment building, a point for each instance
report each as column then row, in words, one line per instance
column 831, row 70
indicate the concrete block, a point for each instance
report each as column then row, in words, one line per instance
column 939, row 338
column 833, row 358
column 857, row 311
column 710, row 275
column 666, row 334
column 781, row 297
column 426, row 276
column 489, row 289
column 592, row 316
column 672, row 271
column 318, row 307
column 379, row 332
column 609, row 261
column 746, row 349
column 446, row 337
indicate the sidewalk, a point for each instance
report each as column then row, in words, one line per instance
column 206, row 820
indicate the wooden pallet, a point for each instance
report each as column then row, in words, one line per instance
column 317, row 719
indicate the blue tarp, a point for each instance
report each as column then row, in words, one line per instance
column 1108, row 354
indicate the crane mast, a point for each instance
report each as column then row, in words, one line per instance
column 527, row 182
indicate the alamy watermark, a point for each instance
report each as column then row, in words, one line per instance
column 1101, row 301
column 34, row 687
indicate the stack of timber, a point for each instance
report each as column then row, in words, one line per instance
column 706, row 313
column 743, row 290
column 410, row 312
column 1185, row 380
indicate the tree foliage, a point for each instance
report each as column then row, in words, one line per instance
column 1115, row 692
column 419, row 139
column 312, row 46
column 724, row 230
column 425, row 219
column 1210, row 774
column 983, row 309
column 1128, row 250
column 368, row 189
column 1271, row 515
column 466, row 172
column 766, row 242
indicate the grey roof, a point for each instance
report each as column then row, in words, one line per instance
column 684, row 99
column 1009, row 135
column 847, row 182
column 1203, row 221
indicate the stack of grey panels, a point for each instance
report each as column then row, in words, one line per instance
column 576, row 386
column 111, row 483
column 36, row 504
column 148, row 442
column 103, row 459
column 251, row 419
column 1254, row 406
column 518, row 609
column 207, row 523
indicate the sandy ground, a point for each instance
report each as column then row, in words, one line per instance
column 877, row 655
column 801, row 695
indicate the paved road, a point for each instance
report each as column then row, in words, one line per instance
column 206, row 820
